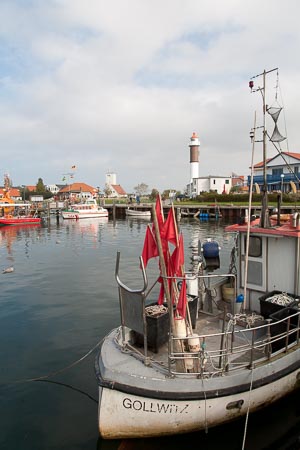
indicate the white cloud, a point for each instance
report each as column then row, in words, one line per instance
column 121, row 86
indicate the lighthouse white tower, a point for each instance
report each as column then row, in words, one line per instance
column 194, row 156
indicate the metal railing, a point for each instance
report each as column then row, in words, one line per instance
column 241, row 348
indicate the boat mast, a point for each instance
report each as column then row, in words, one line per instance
column 264, row 218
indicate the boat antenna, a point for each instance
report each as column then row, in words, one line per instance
column 264, row 218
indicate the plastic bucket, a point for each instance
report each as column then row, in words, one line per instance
column 180, row 327
column 194, row 343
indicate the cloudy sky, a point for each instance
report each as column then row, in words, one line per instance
column 120, row 86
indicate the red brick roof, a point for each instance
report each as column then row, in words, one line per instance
column 119, row 190
column 13, row 192
column 78, row 187
column 30, row 188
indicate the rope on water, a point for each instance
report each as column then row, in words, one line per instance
column 44, row 377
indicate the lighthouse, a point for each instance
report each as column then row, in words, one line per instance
column 194, row 156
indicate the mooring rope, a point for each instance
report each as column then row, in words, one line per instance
column 45, row 378
column 248, row 410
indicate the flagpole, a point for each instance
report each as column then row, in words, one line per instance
column 178, row 345
column 182, row 272
column 163, row 268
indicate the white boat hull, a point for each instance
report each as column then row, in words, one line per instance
column 138, row 213
column 138, row 400
column 83, row 215
column 123, row 415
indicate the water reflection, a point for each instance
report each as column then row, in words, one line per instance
column 62, row 300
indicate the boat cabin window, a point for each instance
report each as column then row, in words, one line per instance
column 256, row 273
column 255, row 246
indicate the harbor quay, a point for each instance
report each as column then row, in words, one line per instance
column 226, row 212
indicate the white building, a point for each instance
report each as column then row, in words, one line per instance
column 54, row 188
column 110, row 179
column 218, row 184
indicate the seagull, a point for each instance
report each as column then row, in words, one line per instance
column 8, row 270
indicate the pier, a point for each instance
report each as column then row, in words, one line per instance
column 229, row 213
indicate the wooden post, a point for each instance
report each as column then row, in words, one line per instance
column 178, row 345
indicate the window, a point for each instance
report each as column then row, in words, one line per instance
column 255, row 246
column 226, row 181
column 256, row 274
column 296, row 169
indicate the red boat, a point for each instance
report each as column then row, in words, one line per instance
column 15, row 213
column 21, row 220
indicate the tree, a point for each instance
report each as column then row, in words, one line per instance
column 141, row 188
column 107, row 190
column 40, row 187
column 153, row 194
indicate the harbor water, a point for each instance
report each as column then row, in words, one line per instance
column 57, row 303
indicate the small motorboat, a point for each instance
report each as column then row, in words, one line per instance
column 87, row 210
column 133, row 212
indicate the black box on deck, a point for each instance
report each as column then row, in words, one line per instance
column 157, row 331
column 267, row 308
column 282, row 327
column 193, row 306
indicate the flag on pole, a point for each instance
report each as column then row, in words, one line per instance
column 169, row 230
column 73, row 167
column 177, row 257
column 150, row 248
column 159, row 212
column 63, row 179
column 161, row 296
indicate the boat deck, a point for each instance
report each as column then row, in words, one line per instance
column 218, row 336
column 224, row 355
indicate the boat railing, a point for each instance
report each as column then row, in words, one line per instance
column 211, row 355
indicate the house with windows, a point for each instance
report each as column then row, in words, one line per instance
column 113, row 189
column 13, row 192
column 216, row 183
column 282, row 173
column 76, row 192
column 54, row 188
column 117, row 191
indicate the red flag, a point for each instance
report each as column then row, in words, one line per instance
column 181, row 305
column 150, row 247
column 161, row 296
column 159, row 212
column 177, row 257
column 169, row 231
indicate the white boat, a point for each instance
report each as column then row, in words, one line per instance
column 89, row 209
column 179, row 362
column 131, row 212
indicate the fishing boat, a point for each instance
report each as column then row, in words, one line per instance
column 16, row 219
column 184, row 360
column 87, row 210
column 133, row 212
column 12, row 213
